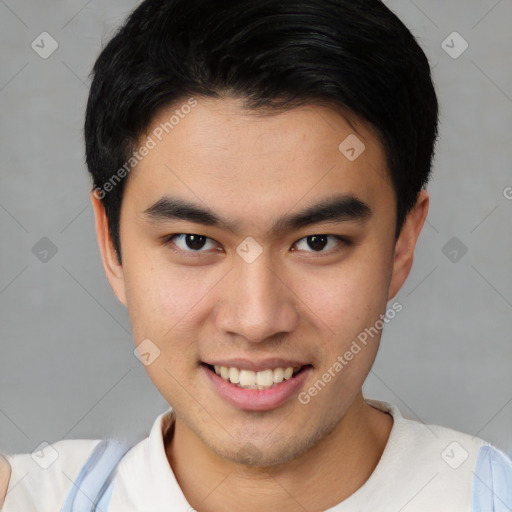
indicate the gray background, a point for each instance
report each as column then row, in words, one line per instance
column 67, row 368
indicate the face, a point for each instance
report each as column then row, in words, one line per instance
column 230, row 261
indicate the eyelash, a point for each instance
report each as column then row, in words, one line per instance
column 344, row 241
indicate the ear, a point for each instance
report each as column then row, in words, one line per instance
column 406, row 243
column 113, row 269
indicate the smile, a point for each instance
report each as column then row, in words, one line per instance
column 256, row 390
column 249, row 379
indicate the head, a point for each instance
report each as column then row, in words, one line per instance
column 291, row 142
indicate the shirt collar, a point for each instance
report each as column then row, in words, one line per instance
column 145, row 480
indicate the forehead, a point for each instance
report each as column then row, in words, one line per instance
column 235, row 160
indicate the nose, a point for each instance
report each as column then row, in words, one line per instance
column 256, row 302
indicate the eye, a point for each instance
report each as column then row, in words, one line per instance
column 196, row 244
column 188, row 242
column 319, row 242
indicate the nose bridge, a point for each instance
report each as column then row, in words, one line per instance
column 257, row 303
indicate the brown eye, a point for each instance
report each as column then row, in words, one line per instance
column 317, row 243
column 189, row 242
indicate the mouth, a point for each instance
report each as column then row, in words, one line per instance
column 249, row 379
column 253, row 390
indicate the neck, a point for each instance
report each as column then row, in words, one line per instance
column 327, row 474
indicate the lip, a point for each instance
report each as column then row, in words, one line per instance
column 257, row 399
column 255, row 365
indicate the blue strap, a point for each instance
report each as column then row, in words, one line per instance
column 492, row 485
column 93, row 486
column 105, row 499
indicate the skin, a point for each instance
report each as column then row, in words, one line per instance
column 5, row 477
column 290, row 302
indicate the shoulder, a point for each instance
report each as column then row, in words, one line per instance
column 453, row 446
column 492, row 489
column 483, row 468
column 39, row 481
column 5, row 476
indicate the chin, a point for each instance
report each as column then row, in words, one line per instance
column 265, row 454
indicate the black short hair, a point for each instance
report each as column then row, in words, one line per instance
column 273, row 54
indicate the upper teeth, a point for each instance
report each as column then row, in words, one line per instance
column 254, row 380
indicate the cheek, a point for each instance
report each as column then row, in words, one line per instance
column 163, row 304
column 165, row 299
column 348, row 300
column 349, row 296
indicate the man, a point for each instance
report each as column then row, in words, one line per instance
column 259, row 171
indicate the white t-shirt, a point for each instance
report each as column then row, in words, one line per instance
column 423, row 468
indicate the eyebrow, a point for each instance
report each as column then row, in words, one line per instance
column 341, row 208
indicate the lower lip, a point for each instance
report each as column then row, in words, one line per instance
column 257, row 399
